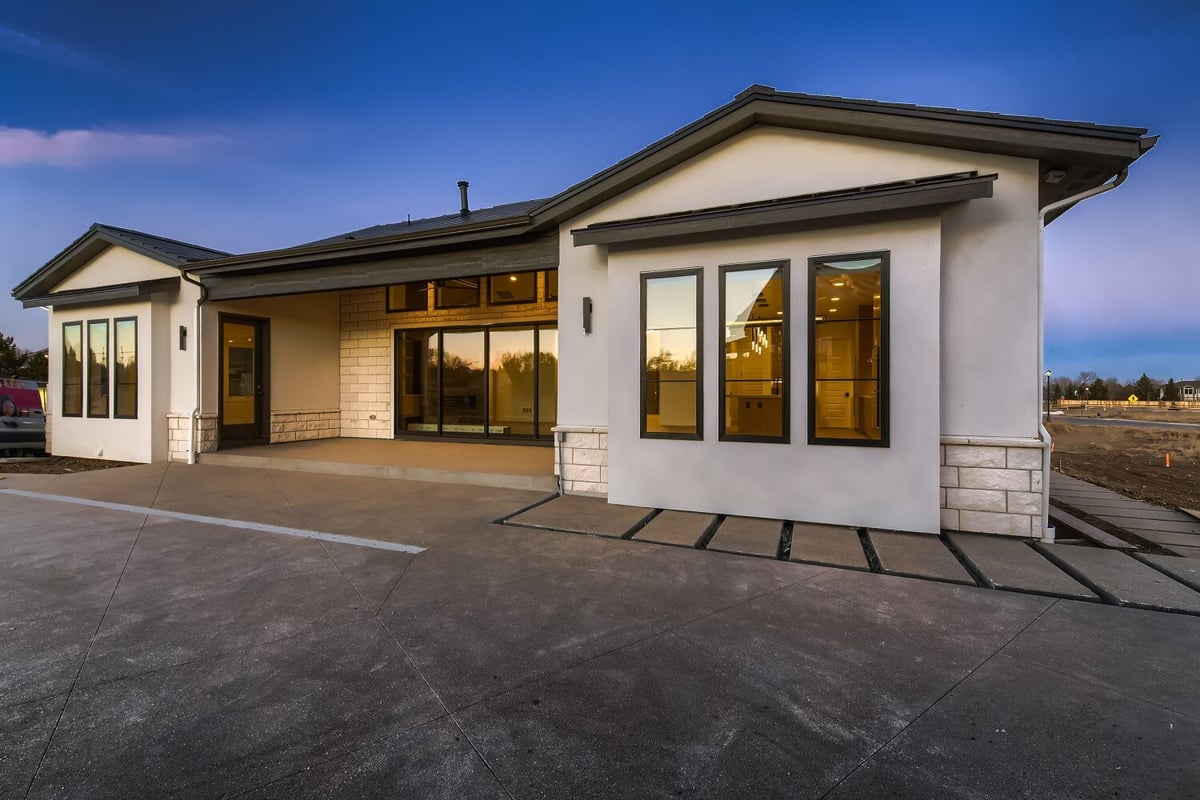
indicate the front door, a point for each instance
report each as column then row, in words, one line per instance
column 243, row 380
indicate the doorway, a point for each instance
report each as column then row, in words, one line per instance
column 243, row 397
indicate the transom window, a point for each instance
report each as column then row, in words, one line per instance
column 847, row 359
column 516, row 287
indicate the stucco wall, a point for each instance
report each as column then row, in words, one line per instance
column 117, row 265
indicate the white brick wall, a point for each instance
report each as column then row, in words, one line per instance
column 177, row 435
column 992, row 486
column 583, row 452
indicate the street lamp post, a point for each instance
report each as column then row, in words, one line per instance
column 1047, row 373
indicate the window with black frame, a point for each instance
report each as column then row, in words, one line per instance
column 671, row 347
column 848, row 391
column 97, row 368
column 72, row 369
column 754, row 352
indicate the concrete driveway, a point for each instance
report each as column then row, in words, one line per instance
column 146, row 654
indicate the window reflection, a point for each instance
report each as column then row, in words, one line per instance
column 518, row 287
column 97, row 369
column 72, row 369
column 125, row 390
column 754, row 316
column 670, row 345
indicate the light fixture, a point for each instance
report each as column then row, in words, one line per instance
column 839, row 283
column 833, row 311
column 834, row 299
column 512, row 278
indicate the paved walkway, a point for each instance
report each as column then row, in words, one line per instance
column 1163, row 583
column 147, row 656
column 1172, row 530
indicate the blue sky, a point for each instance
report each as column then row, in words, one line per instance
column 253, row 125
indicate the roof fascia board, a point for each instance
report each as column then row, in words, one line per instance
column 527, row 256
column 102, row 294
column 359, row 250
column 847, row 208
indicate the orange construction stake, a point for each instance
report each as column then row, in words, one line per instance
column 1168, row 460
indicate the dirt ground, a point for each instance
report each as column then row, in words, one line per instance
column 55, row 465
column 1131, row 461
column 1150, row 412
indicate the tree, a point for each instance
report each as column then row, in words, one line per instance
column 1146, row 388
column 18, row 363
column 1170, row 391
column 1112, row 387
column 1099, row 390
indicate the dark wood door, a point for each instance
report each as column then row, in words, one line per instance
column 243, row 391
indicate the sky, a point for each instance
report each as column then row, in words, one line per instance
column 254, row 125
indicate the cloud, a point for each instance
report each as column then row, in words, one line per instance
column 21, row 146
column 30, row 46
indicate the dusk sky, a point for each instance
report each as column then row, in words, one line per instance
column 254, row 125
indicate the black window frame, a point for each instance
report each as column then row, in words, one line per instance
column 521, row 301
column 884, row 439
column 546, row 283
column 116, row 383
column 388, row 297
column 438, row 285
column 82, row 369
column 698, row 272
column 784, row 266
column 106, row 388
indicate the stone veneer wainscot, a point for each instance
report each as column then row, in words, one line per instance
column 992, row 485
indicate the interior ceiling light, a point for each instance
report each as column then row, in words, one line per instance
column 834, row 299
column 839, row 283
column 512, row 278
column 833, row 311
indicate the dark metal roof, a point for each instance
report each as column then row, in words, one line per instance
column 503, row 211
column 164, row 249
column 103, row 294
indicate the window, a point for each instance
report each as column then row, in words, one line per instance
column 408, row 296
column 126, row 384
column 671, row 347
column 97, row 368
column 551, row 284
column 517, row 287
column 754, row 363
column 847, row 355
column 457, row 292
column 72, row 369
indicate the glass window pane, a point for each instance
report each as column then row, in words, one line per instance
column 755, row 352
column 462, row 382
column 519, row 287
column 97, row 369
column 671, row 345
column 72, row 369
column 417, row 381
column 125, row 398
column 547, row 380
column 551, row 284
column 511, row 378
column 847, row 341
column 457, row 292
column 408, row 296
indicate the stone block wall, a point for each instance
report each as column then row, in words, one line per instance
column 584, row 457
column 302, row 426
column 366, row 348
column 49, row 430
column 992, row 486
column 177, row 435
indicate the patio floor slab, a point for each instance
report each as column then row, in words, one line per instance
column 1013, row 564
column 827, row 544
column 1125, row 579
column 1184, row 570
column 576, row 514
column 918, row 554
column 683, row 528
column 748, row 535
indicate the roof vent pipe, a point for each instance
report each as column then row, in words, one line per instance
column 462, row 196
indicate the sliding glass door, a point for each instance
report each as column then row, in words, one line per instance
column 499, row 382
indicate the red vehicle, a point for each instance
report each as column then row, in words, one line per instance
column 22, row 417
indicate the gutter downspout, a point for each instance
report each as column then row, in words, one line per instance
column 1043, row 434
column 194, row 417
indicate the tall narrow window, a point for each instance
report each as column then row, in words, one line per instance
column 125, row 358
column 97, row 368
column 72, row 369
column 754, row 363
column 671, row 396
column 408, row 296
column 848, row 391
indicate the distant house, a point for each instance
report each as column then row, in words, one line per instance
column 798, row 307
column 1188, row 390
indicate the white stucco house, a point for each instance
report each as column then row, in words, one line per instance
column 798, row 307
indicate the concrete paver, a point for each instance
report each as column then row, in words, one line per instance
column 582, row 515
column 1184, row 570
column 759, row 537
column 1185, row 552
column 683, row 528
column 1126, row 579
column 827, row 544
column 1013, row 564
column 917, row 554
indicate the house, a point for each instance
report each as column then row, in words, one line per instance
column 1188, row 390
column 797, row 306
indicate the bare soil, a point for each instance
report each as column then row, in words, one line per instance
column 1131, row 461
column 57, row 465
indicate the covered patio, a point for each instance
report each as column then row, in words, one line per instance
column 500, row 466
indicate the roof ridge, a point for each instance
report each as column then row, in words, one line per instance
column 156, row 237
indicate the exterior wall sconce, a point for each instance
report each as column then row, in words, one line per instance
column 587, row 315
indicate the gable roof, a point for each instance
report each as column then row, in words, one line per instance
column 482, row 215
column 99, row 238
